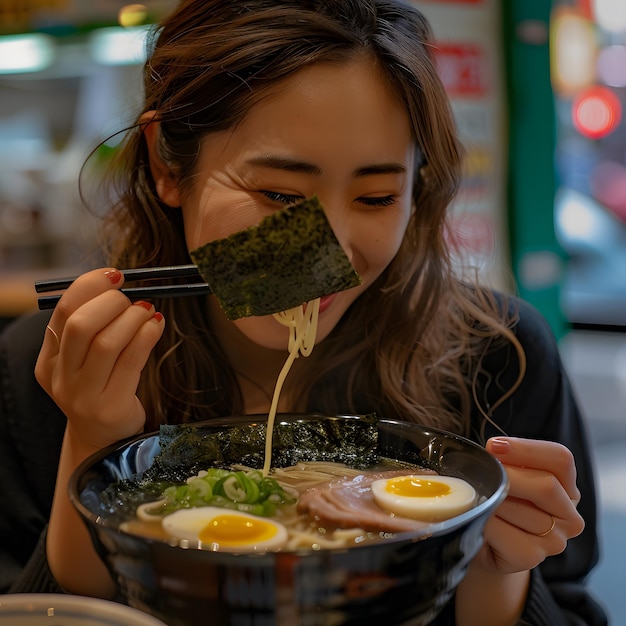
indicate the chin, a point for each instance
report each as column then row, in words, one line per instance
column 263, row 331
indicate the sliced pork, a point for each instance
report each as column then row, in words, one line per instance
column 349, row 503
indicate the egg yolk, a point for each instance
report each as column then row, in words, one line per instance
column 414, row 487
column 235, row 530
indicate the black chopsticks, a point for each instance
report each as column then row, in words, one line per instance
column 134, row 293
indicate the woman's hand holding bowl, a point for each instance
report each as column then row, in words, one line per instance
column 539, row 514
column 535, row 521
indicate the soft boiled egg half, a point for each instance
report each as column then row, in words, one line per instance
column 217, row 529
column 424, row 497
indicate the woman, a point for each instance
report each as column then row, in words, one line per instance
column 250, row 106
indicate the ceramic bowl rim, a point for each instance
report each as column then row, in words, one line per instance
column 69, row 605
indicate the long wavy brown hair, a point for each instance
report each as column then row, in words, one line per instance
column 412, row 345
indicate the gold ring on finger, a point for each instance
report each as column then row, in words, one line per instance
column 547, row 532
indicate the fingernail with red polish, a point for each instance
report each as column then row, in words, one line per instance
column 144, row 304
column 114, row 276
column 500, row 446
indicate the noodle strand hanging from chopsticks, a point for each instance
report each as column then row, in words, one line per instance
column 302, row 323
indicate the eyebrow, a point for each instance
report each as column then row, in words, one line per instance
column 296, row 165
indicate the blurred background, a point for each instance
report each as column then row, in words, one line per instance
column 538, row 89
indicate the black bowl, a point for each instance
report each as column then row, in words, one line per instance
column 404, row 580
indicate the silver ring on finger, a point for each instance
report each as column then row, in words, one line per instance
column 54, row 334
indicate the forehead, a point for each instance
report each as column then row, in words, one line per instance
column 327, row 107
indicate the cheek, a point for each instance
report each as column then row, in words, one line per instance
column 376, row 241
column 387, row 239
column 211, row 214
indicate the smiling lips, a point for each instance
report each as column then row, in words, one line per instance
column 325, row 301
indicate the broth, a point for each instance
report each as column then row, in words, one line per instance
column 333, row 506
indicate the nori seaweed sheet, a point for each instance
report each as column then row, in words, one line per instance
column 289, row 258
column 186, row 449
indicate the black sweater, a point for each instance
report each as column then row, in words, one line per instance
column 32, row 426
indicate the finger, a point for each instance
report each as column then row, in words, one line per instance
column 125, row 376
column 119, row 396
column 540, row 487
column 84, row 325
column 511, row 549
column 55, row 342
column 47, row 357
column 103, row 350
column 542, row 491
column 549, row 456
column 524, row 515
column 50, row 346
column 539, row 522
column 86, row 287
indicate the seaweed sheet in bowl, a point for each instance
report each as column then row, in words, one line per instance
column 404, row 580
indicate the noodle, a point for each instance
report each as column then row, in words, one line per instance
column 302, row 324
column 304, row 531
column 305, row 474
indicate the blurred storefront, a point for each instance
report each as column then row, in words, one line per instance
column 495, row 61
column 589, row 78
column 469, row 54
column 69, row 78
column 539, row 88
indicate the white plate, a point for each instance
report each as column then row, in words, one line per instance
column 51, row 609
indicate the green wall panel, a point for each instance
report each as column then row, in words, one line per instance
column 536, row 256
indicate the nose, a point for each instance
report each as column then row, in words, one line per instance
column 337, row 218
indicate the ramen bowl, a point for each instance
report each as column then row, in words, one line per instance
column 404, row 579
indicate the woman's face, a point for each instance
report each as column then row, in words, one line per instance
column 332, row 130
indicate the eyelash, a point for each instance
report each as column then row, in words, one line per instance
column 367, row 201
column 275, row 196
column 378, row 202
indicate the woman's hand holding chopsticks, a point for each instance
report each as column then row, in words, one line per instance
column 94, row 350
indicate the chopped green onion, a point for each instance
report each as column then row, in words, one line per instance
column 249, row 491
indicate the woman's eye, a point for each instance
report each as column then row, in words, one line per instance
column 378, row 202
column 283, row 198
